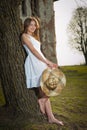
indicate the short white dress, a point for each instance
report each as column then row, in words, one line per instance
column 33, row 66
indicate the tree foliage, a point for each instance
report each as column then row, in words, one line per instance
column 77, row 30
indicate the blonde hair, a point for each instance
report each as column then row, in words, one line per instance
column 27, row 23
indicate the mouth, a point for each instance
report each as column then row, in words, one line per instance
column 32, row 30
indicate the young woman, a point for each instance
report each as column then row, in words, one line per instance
column 35, row 64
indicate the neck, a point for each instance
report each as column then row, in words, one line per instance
column 30, row 33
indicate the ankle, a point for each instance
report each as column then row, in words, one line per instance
column 56, row 121
column 51, row 118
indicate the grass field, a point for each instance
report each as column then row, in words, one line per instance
column 72, row 102
column 71, row 105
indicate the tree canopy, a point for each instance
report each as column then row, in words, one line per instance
column 77, row 30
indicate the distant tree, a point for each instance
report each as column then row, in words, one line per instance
column 77, row 30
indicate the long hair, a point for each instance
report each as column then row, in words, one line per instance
column 27, row 23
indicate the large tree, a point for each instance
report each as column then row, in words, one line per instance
column 12, row 58
column 78, row 31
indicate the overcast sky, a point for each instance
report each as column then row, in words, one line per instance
column 63, row 12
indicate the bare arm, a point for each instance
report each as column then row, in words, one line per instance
column 35, row 52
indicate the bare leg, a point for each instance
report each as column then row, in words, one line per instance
column 42, row 99
column 45, row 108
column 41, row 102
column 50, row 115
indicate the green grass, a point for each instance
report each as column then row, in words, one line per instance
column 71, row 105
column 72, row 102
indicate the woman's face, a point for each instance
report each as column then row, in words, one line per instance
column 32, row 27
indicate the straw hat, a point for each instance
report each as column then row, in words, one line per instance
column 52, row 81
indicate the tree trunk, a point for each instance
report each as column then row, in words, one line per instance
column 48, row 37
column 12, row 58
column 85, row 56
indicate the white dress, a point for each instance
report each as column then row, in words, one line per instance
column 33, row 66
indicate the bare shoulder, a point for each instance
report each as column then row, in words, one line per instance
column 25, row 39
column 23, row 36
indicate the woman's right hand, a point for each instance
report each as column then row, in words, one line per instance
column 51, row 64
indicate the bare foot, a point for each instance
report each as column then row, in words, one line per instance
column 42, row 107
column 56, row 121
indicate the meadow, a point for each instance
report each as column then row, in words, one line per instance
column 70, row 106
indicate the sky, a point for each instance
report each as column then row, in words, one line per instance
column 63, row 13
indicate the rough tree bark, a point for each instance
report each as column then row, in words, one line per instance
column 12, row 58
column 48, row 37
